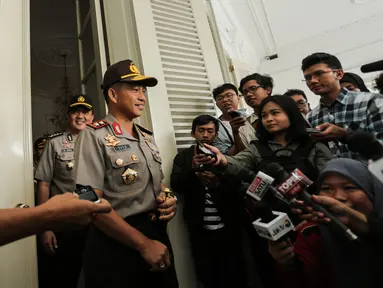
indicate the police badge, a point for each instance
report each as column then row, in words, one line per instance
column 129, row 176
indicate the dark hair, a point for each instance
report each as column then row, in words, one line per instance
column 321, row 57
column 220, row 89
column 379, row 83
column 356, row 80
column 297, row 130
column 115, row 86
column 203, row 120
column 292, row 92
column 264, row 80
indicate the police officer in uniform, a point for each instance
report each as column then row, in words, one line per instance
column 60, row 265
column 128, row 247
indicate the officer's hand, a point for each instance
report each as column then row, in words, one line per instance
column 237, row 122
column 48, row 239
column 156, row 255
column 282, row 252
column 67, row 211
column 167, row 208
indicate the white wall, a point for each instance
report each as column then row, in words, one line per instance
column 347, row 30
column 297, row 28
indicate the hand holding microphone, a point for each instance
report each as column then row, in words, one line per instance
column 293, row 186
column 349, row 216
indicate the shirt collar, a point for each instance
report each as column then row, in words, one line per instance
column 252, row 118
column 125, row 134
column 342, row 98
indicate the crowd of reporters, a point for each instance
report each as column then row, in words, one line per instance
column 335, row 242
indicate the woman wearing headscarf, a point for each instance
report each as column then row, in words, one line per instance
column 353, row 82
column 322, row 257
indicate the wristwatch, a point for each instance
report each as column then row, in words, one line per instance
column 169, row 193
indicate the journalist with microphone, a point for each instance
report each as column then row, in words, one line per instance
column 282, row 138
column 321, row 257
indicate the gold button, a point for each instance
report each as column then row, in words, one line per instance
column 119, row 162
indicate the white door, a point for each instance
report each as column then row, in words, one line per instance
column 92, row 52
column 18, row 267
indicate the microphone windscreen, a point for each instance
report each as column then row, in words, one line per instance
column 372, row 67
column 276, row 171
column 365, row 144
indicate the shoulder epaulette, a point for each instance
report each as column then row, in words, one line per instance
column 144, row 130
column 55, row 135
column 98, row 124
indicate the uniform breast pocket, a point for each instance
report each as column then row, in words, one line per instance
column 125, row 171
column 64, row 160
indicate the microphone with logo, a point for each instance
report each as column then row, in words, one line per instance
column 291, row 186
column 269, row 224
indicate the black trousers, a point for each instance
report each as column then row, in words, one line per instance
column 109, row 263
column 62, row 270
column 219, row 258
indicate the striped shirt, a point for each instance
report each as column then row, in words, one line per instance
column 353, row 111
column 212, row 219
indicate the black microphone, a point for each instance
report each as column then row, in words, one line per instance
column 372, row 67
column 365, row 144
column 245, row 175
column 294, row 184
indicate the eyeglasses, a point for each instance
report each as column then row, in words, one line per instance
column 301, row 103
column 220, row 98
column 317, row 74
column 251, row 89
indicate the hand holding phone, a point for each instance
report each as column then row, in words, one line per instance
column 234, row 114
column 312, row 130
column 204, row 158
column 86, row 193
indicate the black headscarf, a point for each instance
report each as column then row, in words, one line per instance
column 356, row 80
column 357, row 264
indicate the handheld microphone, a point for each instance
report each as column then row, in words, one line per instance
column 365, row 144
column 272, row 225
column 372, row 67
column 295, row 184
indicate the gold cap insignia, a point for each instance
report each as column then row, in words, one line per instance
column 81, row 99
column 134, row 69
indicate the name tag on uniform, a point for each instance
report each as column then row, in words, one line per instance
column 121, row 147
column 67, row 150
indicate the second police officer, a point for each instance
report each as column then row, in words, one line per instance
column 128, row 247
column 60, row 265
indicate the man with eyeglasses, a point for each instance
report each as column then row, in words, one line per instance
column 300, row 98
column 340, row 111
column 254, row 88
column 228, row 140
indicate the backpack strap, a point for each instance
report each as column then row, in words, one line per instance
column 227, row 131
column 303, row 151
column 264, row 150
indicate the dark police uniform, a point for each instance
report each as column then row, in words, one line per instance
column 128, row 171
column 56, row 167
